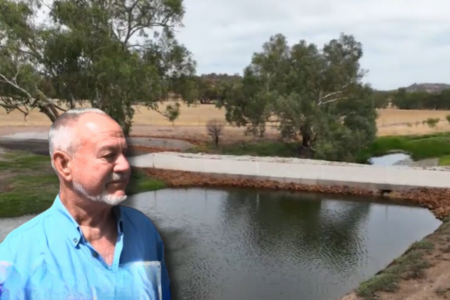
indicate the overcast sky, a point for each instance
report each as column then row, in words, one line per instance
column 404, row 41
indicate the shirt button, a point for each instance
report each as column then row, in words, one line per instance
column 95, row 254
column 75, row 240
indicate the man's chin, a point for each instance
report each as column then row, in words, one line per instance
column 112, row 200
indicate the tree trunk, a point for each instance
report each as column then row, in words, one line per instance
column 305, row 150
column 50, row 112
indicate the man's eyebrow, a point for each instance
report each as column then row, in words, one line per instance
column 111, row 147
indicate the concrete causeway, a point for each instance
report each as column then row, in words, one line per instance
column 300, row 171
column 286, row 170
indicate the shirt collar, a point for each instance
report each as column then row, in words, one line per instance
column 118, row 214
column 72, row 228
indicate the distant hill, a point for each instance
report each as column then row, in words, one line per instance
column 427, row 87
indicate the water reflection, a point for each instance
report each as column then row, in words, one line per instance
column 391, row 159
column 245, row 244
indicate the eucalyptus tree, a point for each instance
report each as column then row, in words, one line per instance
column 312, row 95
column 111, row 53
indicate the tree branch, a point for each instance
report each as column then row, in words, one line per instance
column 11, row 107
column 15, row 85
column 322, row 101
column 332, row 100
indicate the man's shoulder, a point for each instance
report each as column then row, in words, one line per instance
column 136, row 216
column 29, row 228
column 20, row 237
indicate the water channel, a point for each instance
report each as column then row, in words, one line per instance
column 224, row 244
column 390, row 159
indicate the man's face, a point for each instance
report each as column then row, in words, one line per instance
column 100, row 169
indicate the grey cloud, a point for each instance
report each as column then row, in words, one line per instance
column 404, row 41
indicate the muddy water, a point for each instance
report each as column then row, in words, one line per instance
column 244, row 244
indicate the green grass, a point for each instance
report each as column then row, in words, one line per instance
column 263, row 148
column 29, row 185
column 444, row 160
column 419, row 147
column 20, row 161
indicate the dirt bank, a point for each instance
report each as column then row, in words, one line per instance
column 437, row 200
column 422, row 273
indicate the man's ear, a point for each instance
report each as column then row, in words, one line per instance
column 63, row 164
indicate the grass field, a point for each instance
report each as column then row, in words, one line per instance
column 426, row 146
column 390, row 121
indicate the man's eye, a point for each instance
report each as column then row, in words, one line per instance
column 110, row 155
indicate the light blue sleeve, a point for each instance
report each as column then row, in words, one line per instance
column 7, row 272
column 5, row 263
column 12, row 280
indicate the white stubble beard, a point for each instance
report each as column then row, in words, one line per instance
column 104, row 197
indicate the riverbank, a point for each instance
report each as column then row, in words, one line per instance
column 29, row 184
column 422, row 272
column 435, row 199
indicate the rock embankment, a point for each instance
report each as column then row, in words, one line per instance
column 435, row 199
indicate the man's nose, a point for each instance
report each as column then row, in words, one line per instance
column 122, row 164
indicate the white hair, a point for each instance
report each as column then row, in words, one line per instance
column 61, row 134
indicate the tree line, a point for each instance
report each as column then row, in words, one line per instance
column 421, row 100
column 117, row 53
column 211, row 88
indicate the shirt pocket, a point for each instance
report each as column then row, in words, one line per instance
column 150, row 275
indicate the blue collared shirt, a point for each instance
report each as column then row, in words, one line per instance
column 48, row 258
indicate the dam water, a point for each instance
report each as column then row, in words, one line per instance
column 247, row 244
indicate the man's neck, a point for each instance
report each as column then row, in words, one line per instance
column 94, row 218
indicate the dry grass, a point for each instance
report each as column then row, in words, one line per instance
column 195, row 115
column 405, row 122
column 390, row 121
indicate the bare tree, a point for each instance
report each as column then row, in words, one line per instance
column 215, row 128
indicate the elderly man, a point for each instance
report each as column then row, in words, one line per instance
column 86, row 246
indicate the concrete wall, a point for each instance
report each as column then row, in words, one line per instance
column 362, row 176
